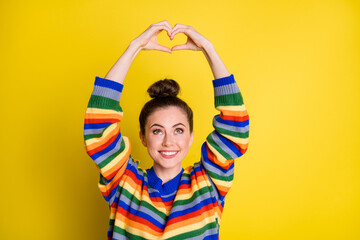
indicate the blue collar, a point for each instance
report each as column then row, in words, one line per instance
column 166, row 188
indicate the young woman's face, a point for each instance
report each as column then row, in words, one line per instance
column 167, row 137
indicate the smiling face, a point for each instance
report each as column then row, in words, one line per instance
column 167, row 138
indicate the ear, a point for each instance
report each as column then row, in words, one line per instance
column 143, row 140
column 191, row 138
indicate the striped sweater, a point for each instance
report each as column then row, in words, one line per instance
column 190, row 205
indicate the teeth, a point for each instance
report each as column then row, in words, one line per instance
column 168, row 153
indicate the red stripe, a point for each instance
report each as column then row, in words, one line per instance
column 138, row 219
column 102, row 147
column 234, row 118
column 101, row 120
column 211, row 158
column 190, row 215
column 130, row 174
column 114, row 185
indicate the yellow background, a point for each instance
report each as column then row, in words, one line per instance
column 297, row 64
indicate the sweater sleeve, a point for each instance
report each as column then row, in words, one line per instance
column 102, row 138
column 230, row 139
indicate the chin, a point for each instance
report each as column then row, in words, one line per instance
column 169, row 166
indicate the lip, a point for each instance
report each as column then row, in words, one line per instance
column 168, row 154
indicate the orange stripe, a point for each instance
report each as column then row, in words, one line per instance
column 222, row 189
column 136, row 222
column 190, row 218
column 110, row 173
column 243, row 148
column 104, row 142
column 103, row 115
column 136, row 185
column 234, row 113
column 212, row 157
column 106, row 189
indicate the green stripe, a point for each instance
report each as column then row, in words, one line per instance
column 142, row 203
column 127, row 234
column 229, row 100
column 232, row 133
column 111, row 157
column 196, row 194
column 219, row 177
column 194, row 233
column 89, row 136
column 185, row 235
column 104, row 103
column 211, row 141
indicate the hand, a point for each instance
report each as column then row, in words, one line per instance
column 195, row 41
column 148, row 41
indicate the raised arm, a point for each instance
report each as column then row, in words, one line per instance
column 102, row 138
column 230, row 139
column 146, row 41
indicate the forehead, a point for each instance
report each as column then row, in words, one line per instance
column 167, row 116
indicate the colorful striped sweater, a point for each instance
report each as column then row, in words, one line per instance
column 190, row 205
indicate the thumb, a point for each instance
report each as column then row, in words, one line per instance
column 180, row 47
column 162, row 48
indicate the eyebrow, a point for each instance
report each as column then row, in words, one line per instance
column 158, row 125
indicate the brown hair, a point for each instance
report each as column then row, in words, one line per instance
column 164, row 94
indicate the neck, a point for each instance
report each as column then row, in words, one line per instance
column 166, row 174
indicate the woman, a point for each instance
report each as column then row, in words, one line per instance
column 166, row 201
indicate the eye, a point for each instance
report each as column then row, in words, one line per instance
column 157, row 131
column 179, row 130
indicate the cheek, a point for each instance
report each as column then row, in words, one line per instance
column 185, row 142
column 153, row 142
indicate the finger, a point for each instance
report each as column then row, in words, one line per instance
column 177, row 26
column 180, row 47
column 187, row 30
column 166, row 26
column 164, row 22
column 179, row 30
column 180, row 26
column 162, row 48
column 162, row 27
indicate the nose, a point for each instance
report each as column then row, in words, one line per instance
column 168, row 140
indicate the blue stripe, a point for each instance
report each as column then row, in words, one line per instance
column 185, row 182
column 96, row 125
column 157, row 194
column 107, row 149
column 110, row 195
column 132, row 166
column 224, row 81
column 198, row 168
column 140, row 214
column 232, row 123
column 208, row 161
column 229, row 144
column 203, row 203
column 211, row 237
column 103, row 82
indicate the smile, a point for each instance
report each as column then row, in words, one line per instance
column 168, row 154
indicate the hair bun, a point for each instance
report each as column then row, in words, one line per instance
column 164, row 88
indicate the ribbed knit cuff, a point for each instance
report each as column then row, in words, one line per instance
column 224, row 80
column 106, row 94
column 227, row 92
column 107, row 88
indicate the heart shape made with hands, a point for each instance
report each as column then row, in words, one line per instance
column 164, row 40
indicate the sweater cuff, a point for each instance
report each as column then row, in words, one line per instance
column 224, row 80
column 107, row 88
column 227, row 92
